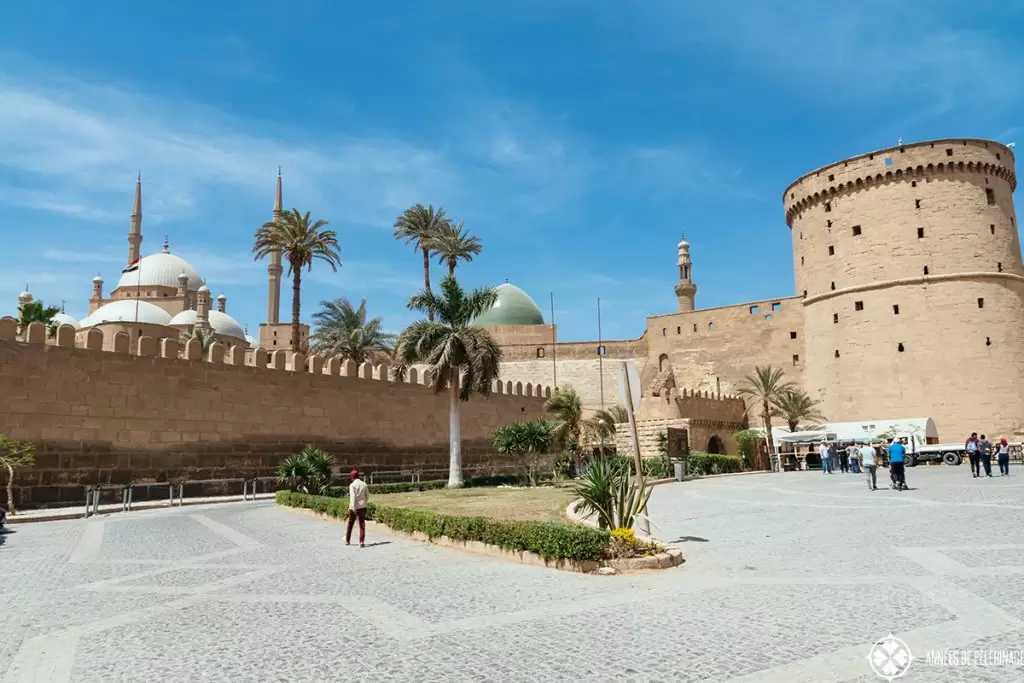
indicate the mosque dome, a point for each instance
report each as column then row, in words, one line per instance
column 513, row 307
column 65, row 319
column 161, row 270
column 127, row 310
column 222, row 323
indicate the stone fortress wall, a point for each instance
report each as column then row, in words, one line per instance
column 909, row 265
column 139, row 412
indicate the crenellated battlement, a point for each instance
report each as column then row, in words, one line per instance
column 217, row 353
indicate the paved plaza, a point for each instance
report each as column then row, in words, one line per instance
column 789, row 577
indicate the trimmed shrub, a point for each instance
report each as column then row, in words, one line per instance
column 550, row 540
column 654, row 468
column 701, row 464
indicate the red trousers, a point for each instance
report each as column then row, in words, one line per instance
column 353, row 515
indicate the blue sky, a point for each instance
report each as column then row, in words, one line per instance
column 576, row 138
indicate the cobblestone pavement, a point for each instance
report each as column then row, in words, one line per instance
column 789, row 577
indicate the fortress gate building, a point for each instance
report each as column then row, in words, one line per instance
column 909, row 265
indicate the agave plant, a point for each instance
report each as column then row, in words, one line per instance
column 596, row 489
column 629, row 499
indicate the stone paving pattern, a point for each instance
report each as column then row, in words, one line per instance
column 789, row 577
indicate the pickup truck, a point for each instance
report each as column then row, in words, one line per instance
column 949, row 453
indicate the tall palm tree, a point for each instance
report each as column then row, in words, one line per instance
column 38, row 312
column 463, row 358
column 420, row 225
column 567, row 423
column 343, row 330
column 795, row 406
column 300, row 240
column 765, row 387
column 453, row 244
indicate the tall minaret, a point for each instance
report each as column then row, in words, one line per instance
column 135, row 233
column 686, row 290
column 274, row 270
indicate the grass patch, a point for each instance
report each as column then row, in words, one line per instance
column 534, row 504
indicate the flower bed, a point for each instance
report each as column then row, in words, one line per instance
column 409, row 486
column 549, row 540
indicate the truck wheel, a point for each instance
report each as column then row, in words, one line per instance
column 952, row 458
column 911, row 461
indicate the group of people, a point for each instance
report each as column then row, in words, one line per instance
column 979, row 453
column 864, row 458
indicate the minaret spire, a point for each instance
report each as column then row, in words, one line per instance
column 135, row 231
column 274, row 270
column 686, row 290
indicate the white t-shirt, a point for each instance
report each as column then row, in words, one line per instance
column 823, row 452
column 357, row 495
column 867, row 455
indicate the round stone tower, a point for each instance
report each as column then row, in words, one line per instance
column 909, row 263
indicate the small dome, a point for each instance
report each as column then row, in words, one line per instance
column 65, row 319
column 222, row 298
column 222, row 323
column 98, row 278
column 161, row 270
column 127, row 310
column 513, row 307
column 204, row 290
column 25, row 296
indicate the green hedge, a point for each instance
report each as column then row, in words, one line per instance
column 654, row 468
column 407, row 486
column 550, row 540
column 711, row 463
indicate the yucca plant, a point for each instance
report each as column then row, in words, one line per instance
column 293, row 472
column 310, row 471
column 630, row 498
column 596, row 491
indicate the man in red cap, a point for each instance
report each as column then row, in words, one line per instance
column 357, row 496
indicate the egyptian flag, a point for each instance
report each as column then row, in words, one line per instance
column 132, row 267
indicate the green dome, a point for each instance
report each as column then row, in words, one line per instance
column 513, row 307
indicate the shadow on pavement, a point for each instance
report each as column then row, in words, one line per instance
column 690, row 539
column 3, row 534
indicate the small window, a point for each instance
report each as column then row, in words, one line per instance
column 805, row 294
column 835, row 317
column 990, row 196
column 601, row 350
column 275, row 342
column 828, row 224
column 679, row 330
column 801, row 235
column 828, row 206
column 895, row 309
column 801, row 260
column 776, row 306
column 999, row 267
column 768, row 316
column 949, row 152
column 540, row 352
column 792, row 335
column 754, row 310
column 981, row 302
column 920, row 233
column 831, row 177
column 837, row 353
column 899, row 347
column 913, row 183
column 796, row 359
column 926, row 270
column 992, row 228
column 711, row 326
column 831, row 251
column 858, row 305
column 664, row 332
column 917, row 203
column 833, row 286
column 997, row 156
column 695, row 327
column 856, row 230
column 988, row 341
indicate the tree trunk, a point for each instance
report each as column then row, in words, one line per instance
column 426, row 279
column 451, row 268
column 766, row 415
column 11, row 510
column 455, row 438
column 296, row 305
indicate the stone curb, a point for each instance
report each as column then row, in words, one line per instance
column 664, row 560
column 56, row 515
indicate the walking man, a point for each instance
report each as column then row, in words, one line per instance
column 973, row 455
column 897, row 460
column 867, row 459
column 357, row 497
column 1003, row 457
column 851, row 453
column 985, row 453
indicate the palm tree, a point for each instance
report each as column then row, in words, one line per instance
column 38, row 312
column 463, row 358
column 202, row 337
column 300, row 240
column 420, row 225
column 766, row 386
column 344, row 331
column 452, row 244
column 796, row 406
column 567, row 423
